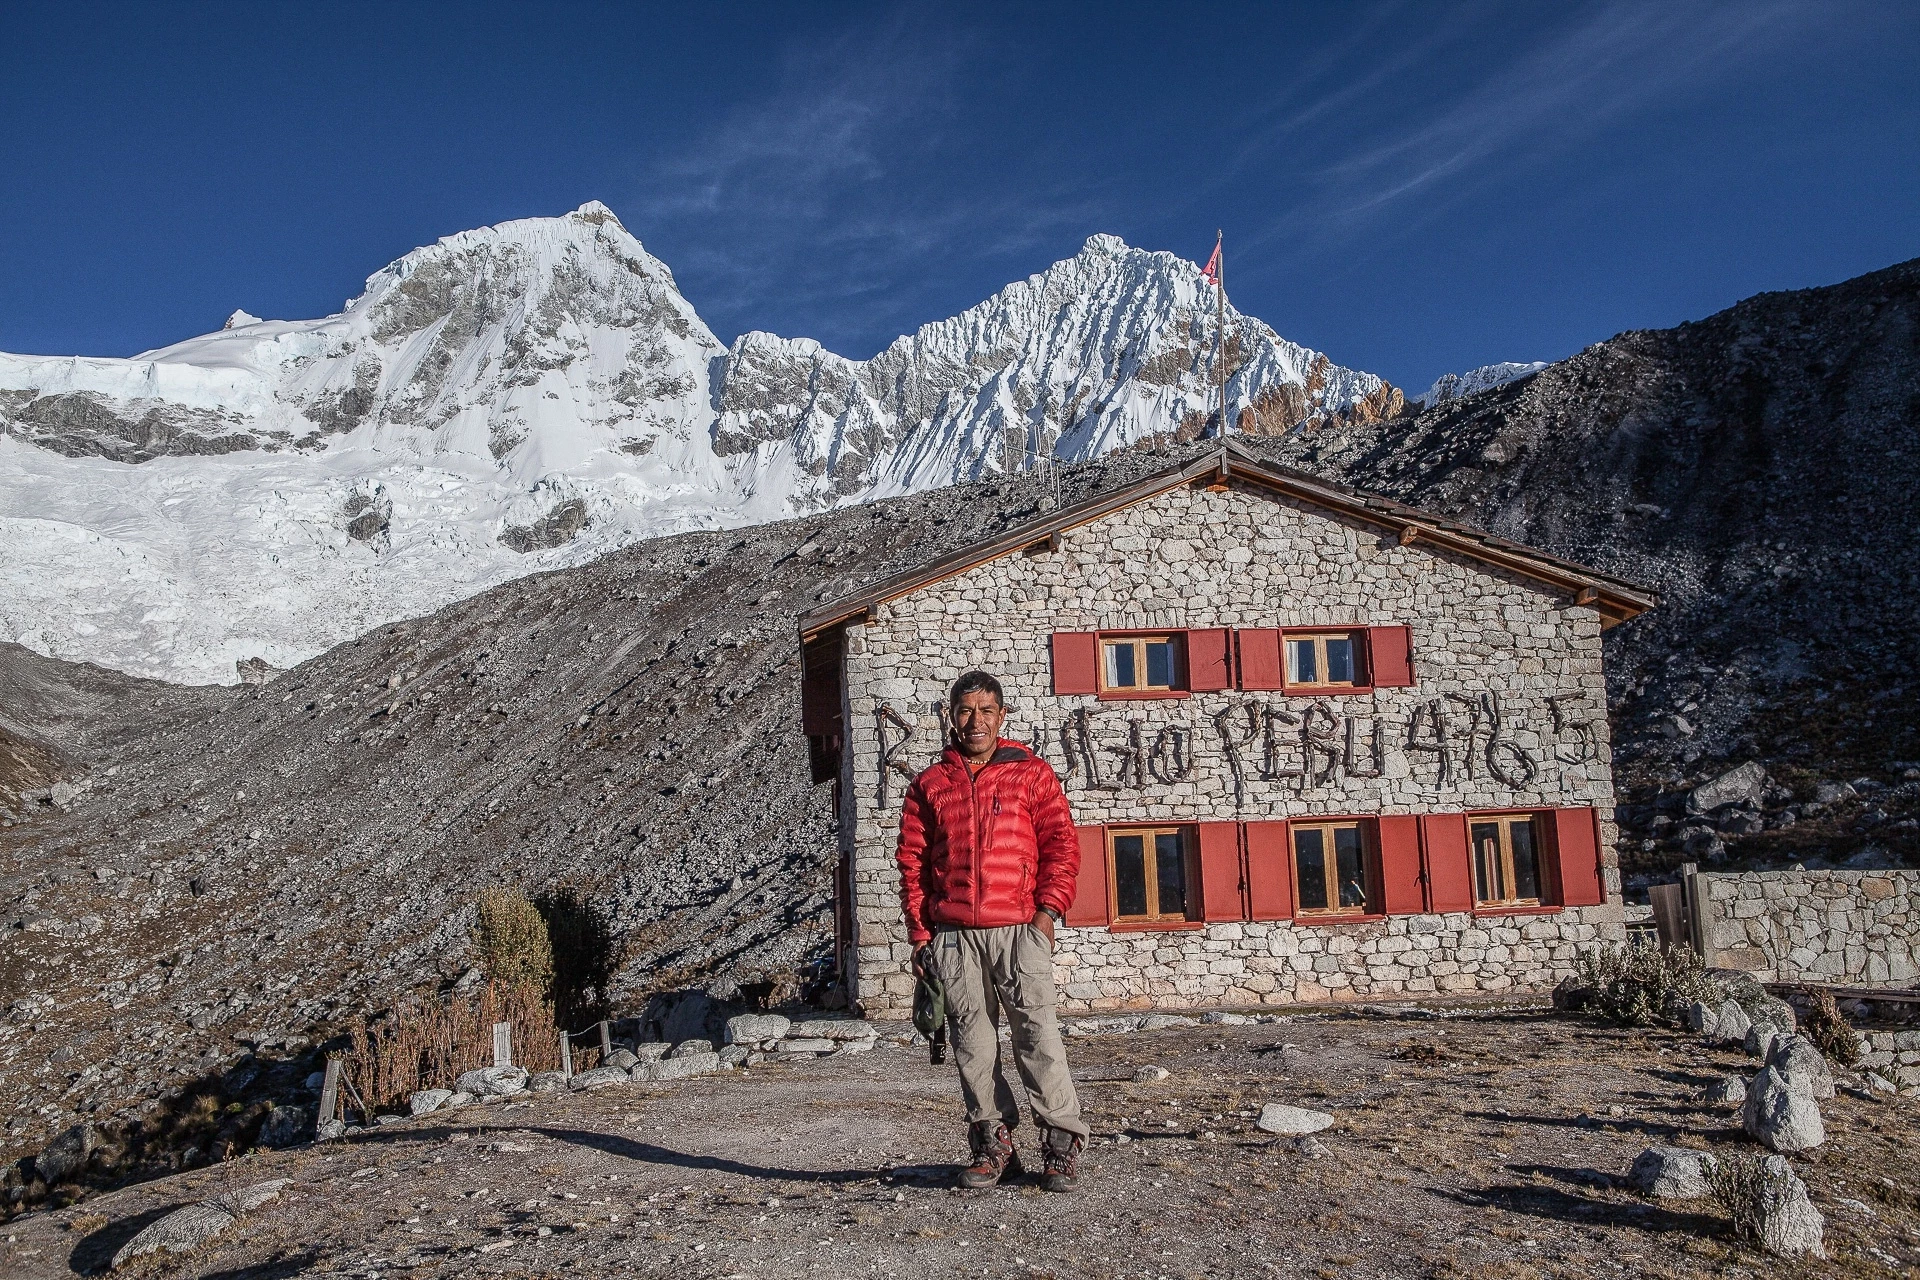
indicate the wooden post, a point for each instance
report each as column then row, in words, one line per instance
column 329, row 1095
column 606, row 1043
column 566, row 1053
column 503, row 1044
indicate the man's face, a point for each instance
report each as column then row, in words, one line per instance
column 977, row 718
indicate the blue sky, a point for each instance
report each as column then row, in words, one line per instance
column 1412, row 188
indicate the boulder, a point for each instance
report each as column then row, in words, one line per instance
column 1759, row 1041
column 428, row 1100
column 834, row 1029
column 1727, row 1091
column 1278, row 1117
column 809, row 1044
column 1702, row 1020
column 493, row 1082
column 1572, row 995
column 688, row 1018
column 286, row 1126
column 598, row 1078
column 756, row 1028
column 622, row 1058
column 1671, row 1173
column 327, row 1130
column 187, row 1228
column 734, row 1055
column 1745, row 785
column 1802, row 1065
column 652, row 1050
column 1789, row 1224
column 65, row 1158
column 546, row 1082
column 460, row 1098
column 1222, row 1019
column 693, row 1064
column 1731, row 1023
column 687, row 1048
column 1783, row 1120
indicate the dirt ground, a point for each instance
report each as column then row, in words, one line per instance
column 1480, row 1143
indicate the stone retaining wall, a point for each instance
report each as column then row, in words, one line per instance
column 1482, row 641
column 1851, row 928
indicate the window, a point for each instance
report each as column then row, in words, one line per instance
column 1330, row 868
column 1140, row 663
column 1322, row 661
column 1506, row 860
column 1150, row 873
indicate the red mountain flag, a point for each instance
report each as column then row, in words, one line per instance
column 1212, row 270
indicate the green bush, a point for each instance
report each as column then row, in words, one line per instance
column 511, row 937
column 1639, row 984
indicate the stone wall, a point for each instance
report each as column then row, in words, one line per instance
column 1850, row 928
column 1508, row 711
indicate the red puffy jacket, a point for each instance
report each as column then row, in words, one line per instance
column 980, row 850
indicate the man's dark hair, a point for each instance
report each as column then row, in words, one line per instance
column 975, row 682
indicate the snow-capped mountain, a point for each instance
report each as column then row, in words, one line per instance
column 535, row 394
column 1455, row 386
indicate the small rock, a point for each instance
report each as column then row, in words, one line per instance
column 286, row 1126
column 546, row 1082
column 66, row 1156
column 327, row 1131
column 688, row 1047
column 1278, row 1117
column 598, row 1078
column 1219, row 1018
column 1731, row 1023
column 734, row 1055
column 693, row 1064
column 811, row 1044
column 493, row 1082
column 1879, row 1084
column 460, row 1098
column 1801, row 1065
column 1162, row 1021
column 1702, row 1020
column 428, row 1100
column 1148, row 1074
column 652, row 1050
column 1745, row 785
column 1671, row 1173
column 389, row 1119
column 1759, row 1041
column 854, row 1046
column 1789, row 1224
column 1727, row 1091
column 755, row 1028
column 622, row 1058
column 1780, row 1118
column 834, row 1029
column 1309, row 1146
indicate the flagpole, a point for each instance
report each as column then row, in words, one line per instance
column 1220, row 328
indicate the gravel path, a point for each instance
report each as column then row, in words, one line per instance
column 1478, row 1143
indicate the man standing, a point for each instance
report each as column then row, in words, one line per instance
column 988, row 866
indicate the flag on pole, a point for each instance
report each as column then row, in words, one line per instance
column 1212, row 270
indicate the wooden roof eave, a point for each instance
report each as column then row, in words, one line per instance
column 1616, row 599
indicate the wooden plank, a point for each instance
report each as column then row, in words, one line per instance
column 606, row 1043
column 1892, row 995
column 503, row 1044
column 329, row 1095
column 566, row 1053
column 1670, row 916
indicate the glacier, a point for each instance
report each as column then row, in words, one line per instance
column 533, row 395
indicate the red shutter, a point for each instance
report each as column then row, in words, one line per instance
column 1090, row 897
column 1400, row 865
column 1209, row 668
column 1269, row 871
column 1260, row 665
column 1076, row 662
column 1220, row 871
column 1390, row 656
column 1576, row 838
column 1449, row 862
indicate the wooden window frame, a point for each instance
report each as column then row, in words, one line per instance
column 1176, row 639
column 1541, row 872
column 1357, row 637
column 1369, row 866
column 1190, row 871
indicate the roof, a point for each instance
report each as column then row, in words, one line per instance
column 1616, row 599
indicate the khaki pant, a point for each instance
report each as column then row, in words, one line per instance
column 1011, row 968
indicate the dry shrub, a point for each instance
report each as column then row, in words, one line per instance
column 1830, row 1031
column 1639, row 984
column 511, row 938
column 1739, row 1184
column 424, row 1043
column 585, row 954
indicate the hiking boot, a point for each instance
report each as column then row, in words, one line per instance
column 1062, row 1152
column 994, row 1159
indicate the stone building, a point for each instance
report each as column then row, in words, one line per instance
column 1319, row 745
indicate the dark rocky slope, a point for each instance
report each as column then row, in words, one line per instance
column 253, row 863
